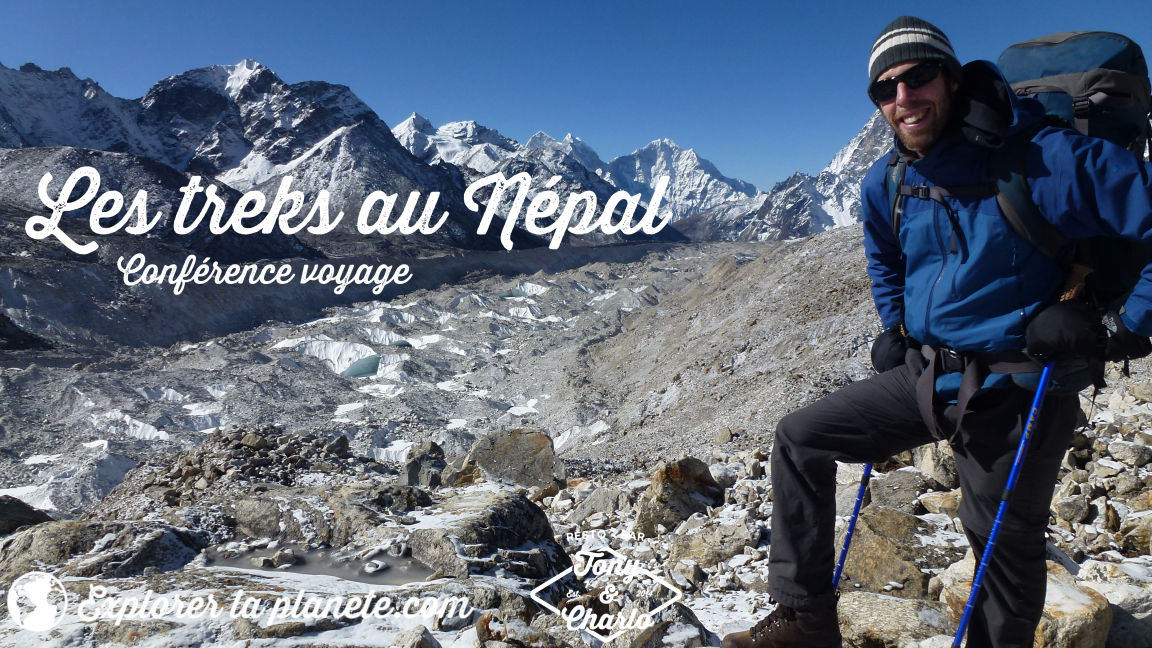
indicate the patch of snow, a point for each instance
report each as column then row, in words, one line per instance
column 379, row 390
column 396, row 451
column 576, row 433
column 203, row 409
column 383, row 336
column 292, row 342
column 425, row 340
column 155, row 394
column 118, row 422
column 219, row 391
column 338, row 356
column 348, row 407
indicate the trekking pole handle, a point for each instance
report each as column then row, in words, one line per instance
column 864, row 479
column 1017, row 465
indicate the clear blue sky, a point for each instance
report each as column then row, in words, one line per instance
column 762, row 89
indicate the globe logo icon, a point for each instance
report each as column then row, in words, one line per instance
column 37, row 601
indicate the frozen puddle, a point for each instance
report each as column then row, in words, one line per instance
column 369, row 566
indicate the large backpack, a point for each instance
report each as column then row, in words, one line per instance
column 1096, row 82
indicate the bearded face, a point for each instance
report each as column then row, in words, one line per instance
column 919, row 115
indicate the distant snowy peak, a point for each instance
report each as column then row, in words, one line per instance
column 474, row 134
column 54, row 107
column 695, row 184
column 866, row 147
column 802, row 205
column 225, row 79
column 572, row 146
column 236, row 120
column 540, row 140
column 465, row 144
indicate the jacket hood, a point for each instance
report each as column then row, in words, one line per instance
column 987, row 110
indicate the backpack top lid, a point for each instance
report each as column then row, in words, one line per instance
column 1069, row 52
column 1097, row 81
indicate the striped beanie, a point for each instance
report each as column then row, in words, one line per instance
column 911, row 39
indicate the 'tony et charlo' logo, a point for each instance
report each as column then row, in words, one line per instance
column 606, row 561
column 37, row 601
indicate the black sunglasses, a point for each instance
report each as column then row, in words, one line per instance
column 883, row 90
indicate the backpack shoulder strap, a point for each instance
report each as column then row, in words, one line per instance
column 894, row 178
column 1009, row 170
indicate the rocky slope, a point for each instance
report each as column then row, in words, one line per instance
column 294, row 455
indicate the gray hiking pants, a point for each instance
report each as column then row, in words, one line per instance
column 874, row 419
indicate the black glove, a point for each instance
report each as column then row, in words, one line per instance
column 1122, row 343
column 1067, row 329
column 888, row 350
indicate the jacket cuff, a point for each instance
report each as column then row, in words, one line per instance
column 1134, row 327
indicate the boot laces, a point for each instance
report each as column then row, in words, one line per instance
column 778, row 618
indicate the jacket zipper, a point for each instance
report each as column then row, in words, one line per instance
column 943, row 266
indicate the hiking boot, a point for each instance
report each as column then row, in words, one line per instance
column 789, row 628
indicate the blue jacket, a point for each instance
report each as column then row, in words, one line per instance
column 982, row 297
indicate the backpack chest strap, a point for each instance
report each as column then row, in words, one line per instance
column 926, row 192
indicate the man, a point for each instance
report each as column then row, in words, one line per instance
column 975, row 294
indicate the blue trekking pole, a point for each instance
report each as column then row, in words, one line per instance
column 1045, row 379
column 852, row 525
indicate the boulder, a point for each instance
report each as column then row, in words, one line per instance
column 870, row 620
column 424, row 466
column 723, row 475
column 1131, row 454
column 254, row 441
column 937, row 462
column 1074, row 616
column 338, row 447
column 605, row 501
column 284, row 558
column 112, row 549
column 846, row 498
column 678, row 489
column 521, row 456
column 716, row 541
column 944, row 503
column 687, row 573
column 1105, row 468
column 1142, row 391
column 901, row 489
column 476, row 525
column 891, row 546
column 417, row 637
column 15, row 513
column 400, row 498
column 676, row 626
column 1128, row 588
column 1137, row 533
column 1073, row 509
column 1141, row 502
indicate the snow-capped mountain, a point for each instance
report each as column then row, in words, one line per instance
column 245, row 127
column 801, row 205
column 478, row 151
column 462, row 143
column 242, row 125
column 695, row 184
